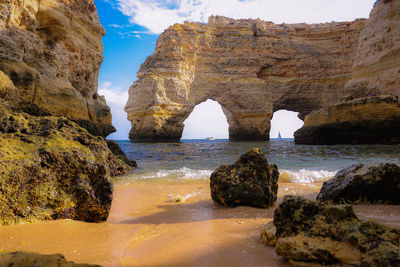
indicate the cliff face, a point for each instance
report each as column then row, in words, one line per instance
column 376, row 67
column 374, row 116
column 368, row 120
column 251, row 67
column 52, row 51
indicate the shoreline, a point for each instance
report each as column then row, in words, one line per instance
column 146, row 228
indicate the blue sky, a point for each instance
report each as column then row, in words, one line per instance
column 133, row 27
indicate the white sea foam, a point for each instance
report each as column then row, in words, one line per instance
column 305, row 176
column 182, row 173
column 286, row 176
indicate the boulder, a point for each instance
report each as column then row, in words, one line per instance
column 51, row 168
column 372, row 183
column 27, row 259
column 310, row 232
column 250, row 181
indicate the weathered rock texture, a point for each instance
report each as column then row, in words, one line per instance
column 26, row 259
column 369, row 120
column 309, row 232
column 51, row 168
column 51, row 50
column 250, row 181
column 374, row 183
column 253, row 68
column 376, row 68
column 376, row 71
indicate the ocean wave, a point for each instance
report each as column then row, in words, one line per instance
column 305, row 176
column 182, row 173
column 285, row 176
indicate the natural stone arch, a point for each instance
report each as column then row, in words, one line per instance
column 297, row 67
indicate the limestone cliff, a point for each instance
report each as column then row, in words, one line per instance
column 368, row 120
column 370, row 111
column 52, row 52
column 376, row 68
column 251, row 67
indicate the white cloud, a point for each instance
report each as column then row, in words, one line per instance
column 115, row 26
column 113, row 95
column 157, row 15
column 116, row 99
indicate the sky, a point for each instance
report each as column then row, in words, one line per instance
column 133, row 27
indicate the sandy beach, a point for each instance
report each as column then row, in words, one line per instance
column 147, row 228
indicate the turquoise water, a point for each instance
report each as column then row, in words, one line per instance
column 196, row 159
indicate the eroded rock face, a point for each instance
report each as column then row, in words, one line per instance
column 310, row 232
column 251, row 67
column 51, row 168
column 370, row 112
column 373, row 183
column 376, row 68
column 26, row 259
column 368, row 120
column 250, row 181
column 51, row 50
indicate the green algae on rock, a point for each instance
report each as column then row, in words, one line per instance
column 51, row 168
column 311, row 232
column 250, row 181
column 28, row 259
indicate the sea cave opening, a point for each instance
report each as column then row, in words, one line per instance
column 285, row 123
column 207, row 120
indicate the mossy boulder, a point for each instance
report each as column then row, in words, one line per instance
column 310, row 232
column 51, row 168
column 250, row 181
column 373, row 183
column 27, row 259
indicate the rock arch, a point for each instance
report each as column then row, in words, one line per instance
column 251, row 67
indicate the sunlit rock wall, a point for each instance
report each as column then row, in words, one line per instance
column 377, row 61
column 52, row 52
column 251, row 67
column 370, row 111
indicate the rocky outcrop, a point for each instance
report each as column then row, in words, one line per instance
column 374, row 183
column 309, row 232
column 52, row 51
column 26, row 259
column 369, row 120
column 376, row 68
column 116, row 150
column 251, row 67
column 250, row 181
column 374, row 117
column 51, row 168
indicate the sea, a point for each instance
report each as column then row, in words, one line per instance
column 197, row 159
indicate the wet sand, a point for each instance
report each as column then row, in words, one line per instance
column 146, row 228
